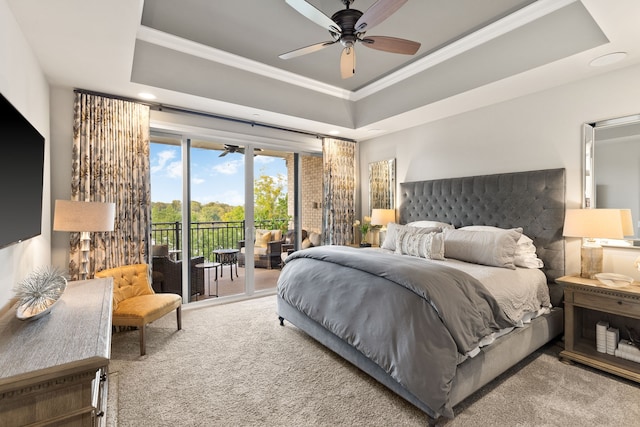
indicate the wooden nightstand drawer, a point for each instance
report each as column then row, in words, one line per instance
column 607, row 303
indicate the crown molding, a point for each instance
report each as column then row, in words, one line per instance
column 509, row 23
column 200, row 50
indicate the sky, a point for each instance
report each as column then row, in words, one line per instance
column 213, row 178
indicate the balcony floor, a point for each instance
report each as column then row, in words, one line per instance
column 263, row 278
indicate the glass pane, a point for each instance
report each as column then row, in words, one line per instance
column 217, row 216
column 271, row 213
column 166, row 216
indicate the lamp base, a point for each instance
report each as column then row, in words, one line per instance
column 590, row 261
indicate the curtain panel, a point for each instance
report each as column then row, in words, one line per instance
column 339, row 191
column 110, row 163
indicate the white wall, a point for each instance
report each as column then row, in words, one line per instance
column 538, row 131
column 62, row 141
column 24, row 85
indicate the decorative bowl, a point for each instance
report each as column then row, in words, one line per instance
column 39, row 292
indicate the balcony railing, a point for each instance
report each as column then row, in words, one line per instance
column 207, row 236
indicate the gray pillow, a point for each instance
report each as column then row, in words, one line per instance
column 495, row 249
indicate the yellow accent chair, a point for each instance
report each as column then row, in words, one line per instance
column 134, row 301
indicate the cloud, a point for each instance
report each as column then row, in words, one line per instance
column 174, row 170
column 162, row 159
column 197, row 181
column 229, row 168
column 264, row 159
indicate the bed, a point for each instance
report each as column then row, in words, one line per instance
column 438, row 341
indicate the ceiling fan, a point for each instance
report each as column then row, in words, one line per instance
column 228, row 148
column 348, row 26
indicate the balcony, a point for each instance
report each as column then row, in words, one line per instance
column 205, row 238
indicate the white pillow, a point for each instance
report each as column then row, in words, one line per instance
column 424, row 223
column 495, row 249
column 531, row 261
column 525, row 255
column 315, row 238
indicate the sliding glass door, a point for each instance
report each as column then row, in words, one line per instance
column 239, row 205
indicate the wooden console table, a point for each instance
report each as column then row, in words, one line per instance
column 53, row 370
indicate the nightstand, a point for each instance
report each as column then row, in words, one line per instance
column 586, row 302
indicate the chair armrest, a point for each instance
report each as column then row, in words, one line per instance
column 240, row 244
column 274, row 247
column 286, row 247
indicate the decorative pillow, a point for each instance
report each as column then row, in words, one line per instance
column 438, row 224
column 306, row 243
column 390, row 240
column 419, row 242
column 495, row 249
column 276, row 235
column 315, row 238
column 262, row 238
column 525, row 255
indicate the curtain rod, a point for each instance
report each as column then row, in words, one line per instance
column 162, row 107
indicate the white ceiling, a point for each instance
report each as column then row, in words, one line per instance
column 221, row 57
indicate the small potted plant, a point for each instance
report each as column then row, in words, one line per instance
column 38, row 292
column 364, row 228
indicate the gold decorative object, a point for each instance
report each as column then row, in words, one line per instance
column 38, row 292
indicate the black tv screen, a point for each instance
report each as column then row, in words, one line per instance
column 21, row 175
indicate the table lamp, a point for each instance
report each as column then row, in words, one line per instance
column 84, row 217
column 382, row 217
column 591, row 224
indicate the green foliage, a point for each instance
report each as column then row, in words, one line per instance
column 271, row 204
column 271, row 198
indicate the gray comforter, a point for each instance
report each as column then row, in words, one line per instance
column 410, row 317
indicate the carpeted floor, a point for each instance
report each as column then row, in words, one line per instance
column 234, row 365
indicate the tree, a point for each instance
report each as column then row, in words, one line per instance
column 270, row 197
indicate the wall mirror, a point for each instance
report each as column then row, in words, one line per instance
column 382, row 184
column 612, row 167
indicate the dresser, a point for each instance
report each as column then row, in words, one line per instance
column 53, row 370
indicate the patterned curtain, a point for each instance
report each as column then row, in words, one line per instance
column 110, row 163
column 339, row 191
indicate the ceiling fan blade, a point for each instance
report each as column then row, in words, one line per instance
column 377, row 13
column 391, row 44
column 315, row 15
column 224, row 153
column 348, row 62
column 304, row 50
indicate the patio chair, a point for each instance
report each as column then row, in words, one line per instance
column 267, row 249
column 167, row 275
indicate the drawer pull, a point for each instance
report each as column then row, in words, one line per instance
column 619, row 302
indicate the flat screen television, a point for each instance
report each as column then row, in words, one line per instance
column 21, row 176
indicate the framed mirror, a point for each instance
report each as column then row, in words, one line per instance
column 611, row 167
column 382, row 184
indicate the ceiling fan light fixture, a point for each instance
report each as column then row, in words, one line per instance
column 347, row 27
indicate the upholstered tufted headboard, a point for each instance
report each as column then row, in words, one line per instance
column 533, row 200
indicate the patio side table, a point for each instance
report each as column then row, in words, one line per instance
column 227, row 257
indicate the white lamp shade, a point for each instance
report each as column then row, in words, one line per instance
column 383, row 216
column 83, row 216
column 594, row 223
column 627, row 222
